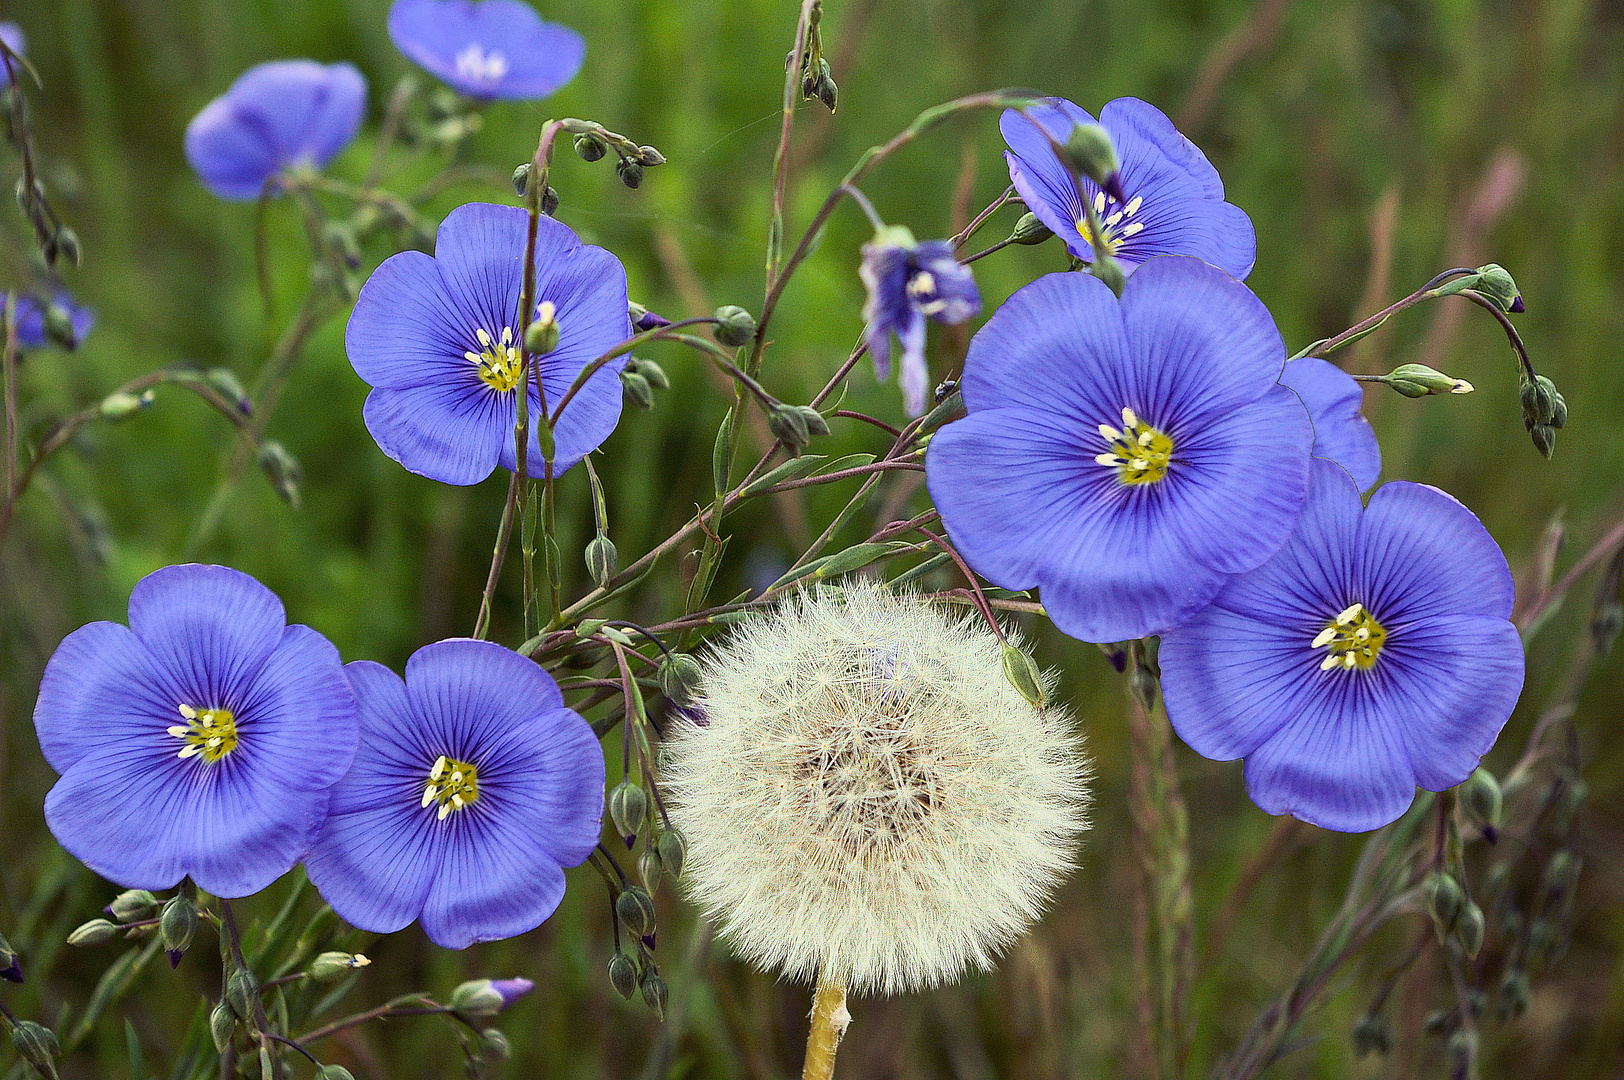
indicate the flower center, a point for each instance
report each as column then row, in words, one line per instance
column 922, row 291
column 453, row 784
column 209, row 733
column 477, row 65
column 1139, row 453
column 499, row 363
column 1118, row 226
column 1353, row 639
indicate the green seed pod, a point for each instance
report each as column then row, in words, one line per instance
column 1022, row 673
column 734, row 325
column 590, row 147
column 623, row 975
column 177, row 922
column 602, row 560
column 673, row 852
column 94, row 932
column 636, row 909
column 222, row 1025
column 628, row 805
column 655, row 992
column 1029, row 231
column 636, row 390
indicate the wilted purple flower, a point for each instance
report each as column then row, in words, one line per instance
column 1175, row 200
column 1125, row 457
column 907, row 281
column 473, row 788
column 202, row 740
column 1373, row 654
column 31, row 320
column 437, row 339
column 283, row 115
column 1341, row 432
column 489, row 49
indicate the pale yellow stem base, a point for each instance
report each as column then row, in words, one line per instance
column 829, row 1022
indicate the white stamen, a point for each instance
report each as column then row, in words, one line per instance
column 1108, row 459
column 1110, row 433
column 1099, row 202
column 1145, row 437
column 923, row 282
column 428, row 794
column 188, row 712
column 1350, row 613
column 1113, row 219
column 1348, row 660
column 1323, row 638
column 456, row 800
column 1129, row 419
column 190, row 750
column 179, row 731
column 359, row 961
column 507, row 335
column 484, row 338
column 1140, row 464
column 473, row 356
column 456, row 776
column 445, row 809
column 1137, row 226
column 1362, row 634
column 208, row 718
column 439, row 767
column 214, row 743
column 1133, row 205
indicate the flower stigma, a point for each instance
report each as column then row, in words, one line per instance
column 1116, row 227
column 207, row 733
column 1139, row 452
column 1354, row 639
column 499, row 363
column 453, row 784
column 477, row 65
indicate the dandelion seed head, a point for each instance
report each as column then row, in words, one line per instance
column 871, row 797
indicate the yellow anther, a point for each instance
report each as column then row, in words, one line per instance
column 1139, row 452
column 453, row 784
column 211, row 733
column 499, row 363
column 1354, row 639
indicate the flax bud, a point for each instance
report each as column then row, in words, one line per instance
column 590, row 147
column 332, row 965
column 628, row 805
column 334, row 1072
column 521, row 178
column 673, row 847
column 1468, row 931
column 10, row 969
column 222, row 1025
column 242, row 993
column 177, row 922
column 1444, row 901
column 1023, row 674
column 1495, row 283
column 623, row 975
column 549, row 200
column 541, row 336
column 1418, row 380
column 816, row 424
column 655, row 992
column 1109, row 271
column 1371, row 1036
column 734, row 325
column 789, row 426
column 94, row 932
column 1089, row 152
column 654, row 373
column 601, row 559
column 648, row 867
column 636, row 390
column 649, row 157
column 636, row 909
column 629, row 172
column 494, row 1045
column 58, row 327
column 1029, row 230
column 1482, row 801
column 679, row 678
column 37, row 1045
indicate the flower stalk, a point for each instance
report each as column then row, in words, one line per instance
column 829, row 1022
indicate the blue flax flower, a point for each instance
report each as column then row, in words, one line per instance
column 907, row 281
column 437, row 339
column 1125, row 457
column 288, row 114
column 1341, row 432
column 31, row 320
column 12, row 35
column 202, row 740
column 489, row 49
column 1175, row 200
column 473, row 788
column 1373, row 654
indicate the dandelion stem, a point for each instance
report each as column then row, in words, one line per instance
column 829, row 1022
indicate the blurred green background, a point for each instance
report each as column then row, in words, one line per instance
column 1372, row 143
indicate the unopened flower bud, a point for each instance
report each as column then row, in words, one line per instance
column 1108, row 270
column 789, row 426
column 1569, row 800
column 282, row 469
column 590, row 147
column 225, row 380
column 222, row 1025
column 655, row 992
column 334, row 1072
column 480, row 999
column 541, row 336
column 1463, row 1054
column 636, row 909
column 549, row 200
column 644, row 319
column 679, row 678
column 135, row 903
column 1561, row 876
column 59, row 326
column 1512, row 999
column 628, row 805
column 242, row 993
column 601, row 559
column 636, row 390
column 1444, row 901
column 648, row 868
column 521, row 178
column 1480, row 798
column 1142, row 684
column 37, row 1045
column 118, row 405
column 1029, row 230
column 1495, row 283
column 649, row 157
column 94, row 932
column 11, row 970
column 623, row 975
column 494, row 1045
column 734, row 325
column 1418, row 380
column 1022, row 673
column 1539, row 402
column 177, row 922
column 1088, row 152
column 1370, row 1036
column 629, row 172
column 1606, row 624
column 1469, row 928
column 340, row 238
column 332, row 965
column 654, row 373
column 816, row 424
column 673, row 848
